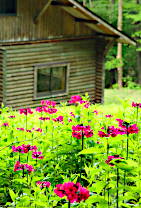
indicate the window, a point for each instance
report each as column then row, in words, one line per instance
column 50, row 80
column 8, row 7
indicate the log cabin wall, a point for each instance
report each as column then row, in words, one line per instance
column 101, row 51
column 102, row 46
column 21, row 59
column 2, row 80
column 55, row 22
column 26, row 45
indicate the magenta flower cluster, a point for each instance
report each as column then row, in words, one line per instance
column 48, row 103
column 58, row 119
column 26, row 111
column 37, row 155
column 78, row 131
column 47, row 107
column 44, row 118
column 111, row 158
column 138, row 105
column 75, row 99
column 43, row 184
column 29, row 130
column 124, row 129
column 73, row 191
column 24, row 148
column 18, row 166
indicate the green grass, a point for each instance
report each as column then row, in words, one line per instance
column 117, row 96
column 118, row 100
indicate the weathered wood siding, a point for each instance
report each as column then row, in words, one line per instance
column 55, row 22
column 21, row 60
column 2, row 65
column 101, row 49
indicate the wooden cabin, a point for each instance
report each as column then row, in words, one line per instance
column 52, row 49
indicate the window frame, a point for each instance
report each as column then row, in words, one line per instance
column 51, row 65
column 10, row 14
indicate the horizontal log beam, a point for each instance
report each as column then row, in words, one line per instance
column 57, row 3
column 42, row 11
column 86, row 20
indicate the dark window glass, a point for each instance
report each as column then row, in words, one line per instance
column 7, row 6
column 51, row 80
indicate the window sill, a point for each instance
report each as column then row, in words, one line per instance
column 50, row 96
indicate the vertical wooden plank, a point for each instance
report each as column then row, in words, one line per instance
column 4, row 78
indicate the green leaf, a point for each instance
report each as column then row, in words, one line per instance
column 91, row 150
column 12, row 195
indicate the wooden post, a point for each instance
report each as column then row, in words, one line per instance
column 42, row 11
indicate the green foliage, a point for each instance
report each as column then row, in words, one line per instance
column 131, row 26
column 112, row 63
column 64, row 158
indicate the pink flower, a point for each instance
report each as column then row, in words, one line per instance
column 96, row 112
column 85, row 102
column 138, row 105
column 39, row 109
column 72, row 114
column 78, row 130
column 29, row 168
column 51, row 110
column 87, row 105
column 77, row 135
column 75, row 99
column 11, row 116
column 21, row 129
column 133, row 129
column 17, row 149
column 28, row 147
column 59, row 119
column 111, row 131
column 24, row 148
column 127, row 128
column 44, row 118
column 26, row 111
column 38, row 129
column 37, row 155
column 88, row 133
column 18, row 166
column 43, row 184
column 110, row 158
column 48, row 103
column 73, row 192
column 102, row 134
column 5, row 124
column 108, row 116
column 28, row 130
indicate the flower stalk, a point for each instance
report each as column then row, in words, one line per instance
column 82, row 147
column 69, row 204
column 117, row 196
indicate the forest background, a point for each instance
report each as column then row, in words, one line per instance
column 128, row 14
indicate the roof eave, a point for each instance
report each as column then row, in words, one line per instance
column 123, row 38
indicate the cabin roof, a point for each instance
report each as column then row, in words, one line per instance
column 92, row 20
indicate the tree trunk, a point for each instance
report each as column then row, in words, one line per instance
column 84, row 2
column 111, row 10
column 139, row 66
column 90, row 4
column 119, row 47
column 138, row 28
